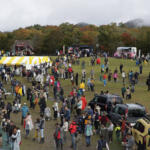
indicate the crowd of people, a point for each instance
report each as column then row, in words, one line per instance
column 71, row 113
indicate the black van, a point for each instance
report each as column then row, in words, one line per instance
column 105, row 101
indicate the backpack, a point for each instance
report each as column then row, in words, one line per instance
column 57, row 135
column 101, row 144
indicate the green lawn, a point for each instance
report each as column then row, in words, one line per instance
column 140, row 96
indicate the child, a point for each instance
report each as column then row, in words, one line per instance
column 37, row 130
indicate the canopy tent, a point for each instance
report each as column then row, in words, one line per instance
column 24, row 60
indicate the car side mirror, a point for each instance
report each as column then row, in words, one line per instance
column 149, row 131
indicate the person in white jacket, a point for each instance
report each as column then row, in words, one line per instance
column 28, row 124
column 16, row 139
column 65, row 129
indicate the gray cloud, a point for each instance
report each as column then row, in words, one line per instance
column 21, row 13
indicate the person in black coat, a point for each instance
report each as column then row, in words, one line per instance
column 148, row 84
column 42, row 104
column 76, row 79
column 9, row 109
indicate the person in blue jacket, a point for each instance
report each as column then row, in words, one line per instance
column 24, row 111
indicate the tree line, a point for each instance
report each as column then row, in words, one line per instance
column 47, row 39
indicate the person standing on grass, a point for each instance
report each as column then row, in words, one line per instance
column 110, row 131
column 16, row 139
column 88, row 133
column 65, row 128
column 123, row 91
column 123, row 76
column 55, row 109
column 141, row 69
column 121, row 67
column 109, row 75
column 128, row 93
column 72, row 79
column 79, row 107
column 148, row 83
column 130, row 142
column 115, row 76
column 92, row 84
column 24, row 111
column 96, row 120
column 76, row 79
column 28, row 124
column 118, row 131
column 102, row 144
column 104, row 79
column 102, row 68
column 37, row 130
column 57, row 137
column 42, row 126
column 1, row 142
column 73, row 132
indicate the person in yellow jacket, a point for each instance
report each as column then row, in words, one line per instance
column 20, row 91
column 118, row 130
column 82, row 86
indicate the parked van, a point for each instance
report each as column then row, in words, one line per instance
column 126, row 52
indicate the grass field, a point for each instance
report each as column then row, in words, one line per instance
column 141, row 95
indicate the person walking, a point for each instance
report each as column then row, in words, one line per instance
column 148, row 83
column 123, row 76
column 123, row 91
column 121, row 67
column 104, row 79
column 128, row 95
column 65, row 128
column 24, row 111
column 57, row 137
column 88, row 133
column 16, row 139
column 110, row 131
column 115, row 76
column 76, row 79
column 130, row 142
column 55, row 109
column 102, row 144
column 42, row 126
column 73, row 132
column 141, row 69
column 28, row 124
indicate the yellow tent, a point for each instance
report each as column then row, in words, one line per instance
column 24, row 60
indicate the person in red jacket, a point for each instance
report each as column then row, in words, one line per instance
column 104, row 79
column 98, row 61
column 52, row 79
column 73, row 132
column 58, row 137
column 70, row 71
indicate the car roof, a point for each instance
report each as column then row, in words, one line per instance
column 132, row 105
column 144, row 121
column 109, row 95
column 137, row 106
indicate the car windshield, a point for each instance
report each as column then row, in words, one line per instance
column 119, row 110
column 115, row 99
column 136, row 113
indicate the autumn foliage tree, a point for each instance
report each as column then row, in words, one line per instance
column 47, row 39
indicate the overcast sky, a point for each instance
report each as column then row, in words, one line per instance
column 21, row 13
